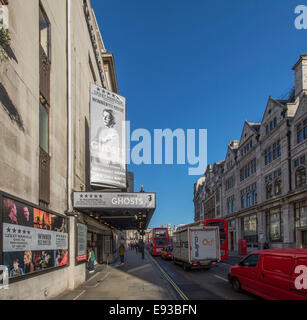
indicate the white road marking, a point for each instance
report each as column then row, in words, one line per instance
column 79, row 295
column 95, row 275
column 221, row 278
column 169, row 279
column 98, row 283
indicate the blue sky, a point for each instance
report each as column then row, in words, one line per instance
column 197, row 64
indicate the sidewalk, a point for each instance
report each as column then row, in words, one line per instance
column 137, row 279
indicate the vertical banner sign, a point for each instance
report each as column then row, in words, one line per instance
column 82, row 236
column 107, row 138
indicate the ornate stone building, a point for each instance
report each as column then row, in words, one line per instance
column 263, row 187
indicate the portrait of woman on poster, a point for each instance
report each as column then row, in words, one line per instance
column 106, row 142
column 27, row 261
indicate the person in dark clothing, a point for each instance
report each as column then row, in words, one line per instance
column 142, row 249
column 122, row 251
column 266, row 245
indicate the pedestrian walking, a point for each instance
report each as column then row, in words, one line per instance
column 91, row 260
column 266, row 245
column 142, row 249
column 122, row 253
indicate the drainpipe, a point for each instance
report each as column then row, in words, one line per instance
column 289, row 155
column 68, row 28
column 71, row 280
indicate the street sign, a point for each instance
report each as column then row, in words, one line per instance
column 112, row 200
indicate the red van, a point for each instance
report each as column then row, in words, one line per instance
column 275, row 274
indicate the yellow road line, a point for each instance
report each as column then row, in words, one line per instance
column 169, row 279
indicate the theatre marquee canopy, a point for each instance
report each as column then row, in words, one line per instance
column 125, row 211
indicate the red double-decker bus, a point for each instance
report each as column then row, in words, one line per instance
column 158, row 240
column 223, row 228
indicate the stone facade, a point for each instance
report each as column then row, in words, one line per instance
column 77, row 57
column 208, row 193
column 264, row 175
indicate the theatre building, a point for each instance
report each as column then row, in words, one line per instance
column 63, row 178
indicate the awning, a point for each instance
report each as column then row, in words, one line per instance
column 124, row 211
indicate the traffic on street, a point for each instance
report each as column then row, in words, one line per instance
column 204, row 284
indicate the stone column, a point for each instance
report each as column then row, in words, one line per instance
column 287, row 212
column 238, row 233
column 261, row 229
column 71, row 268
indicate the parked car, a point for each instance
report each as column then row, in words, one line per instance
column 275, row 274
column 166, row 253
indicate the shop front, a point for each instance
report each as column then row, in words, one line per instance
column 100, row 238
column 107, row 214
column 301, row 223
column 274, row 227
column 249, row 231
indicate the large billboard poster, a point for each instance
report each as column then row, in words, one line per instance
column 33, row 239
column 107, row 138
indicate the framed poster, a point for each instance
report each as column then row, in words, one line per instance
column 32, row 239
column 81, row 242
column 107, row 138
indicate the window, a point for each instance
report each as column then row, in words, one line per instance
column 249, row 230
column 269, row 191
column 301, row 131
column 250, row 261
column 248, row 199
column 229, row 164
column 278, row 187
column 271, row 126
column 249, row 169
column 242, row 201
column 232, row 223
column 301, row 214
column 273, row 184
column 275, row 122
column 300, row 177
column 230, row 183
column 44, row 29
column 273, row 152
column 43, row 128
column 249, row 196
column 296, row 163
column 247, row 148
column 274, row 225
column 299, row 161
column 254, row 197
column 231, row 206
